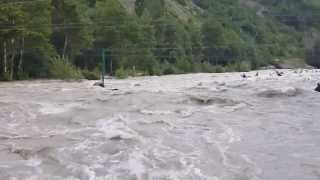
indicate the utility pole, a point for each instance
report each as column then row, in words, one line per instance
column 103, row 72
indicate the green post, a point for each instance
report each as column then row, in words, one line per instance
column 103, row 65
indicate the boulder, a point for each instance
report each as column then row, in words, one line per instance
column 98, row 84
column 317, row 88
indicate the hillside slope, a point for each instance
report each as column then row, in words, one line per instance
column 296, row 20
column 154, row 37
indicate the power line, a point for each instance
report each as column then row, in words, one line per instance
column 114, row 50
column 71, row 25
column 22, row 2
column 104, row 20
column 101, row 23
column 78, row 25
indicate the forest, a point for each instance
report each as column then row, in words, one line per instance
column 64, row 39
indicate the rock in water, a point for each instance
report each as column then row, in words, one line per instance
column 317, row 88
column 278, row 93
column 116, row 138
column 279, row 73
column 98, row 84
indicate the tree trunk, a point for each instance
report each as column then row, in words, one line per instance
column 111, row 68
column 20, row 70
column 12, row 66
column 65, row 46
column 5, row 57
column 12, row 58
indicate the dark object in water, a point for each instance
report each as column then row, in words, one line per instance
column 116, row 138
column 257, row 74
column 317, row 88
column 278, row 93
column 244, row 75
column 207, row 101
column 98, row 84
column 115, row 89
column 279, row 73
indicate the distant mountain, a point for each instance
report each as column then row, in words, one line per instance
column 155, row 36
column 293, row 24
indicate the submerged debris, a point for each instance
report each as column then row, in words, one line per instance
column 203, row 100
column 98, row 84
column 279, row 73
column 317, row 88
column 116, row 138
column 287, row 92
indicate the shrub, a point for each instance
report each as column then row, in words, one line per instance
column 313, row 55
column 197, row 67
column 91, row 75
column 207, row 67
column 169, row 69
column 184, row 65
column 156, row 69
column 22, row 76
column 5, row 77
column 244, row 66
column 219, row 69
column 121, row 73
column 231, row 67
column 61, row 68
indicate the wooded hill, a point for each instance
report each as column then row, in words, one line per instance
column 65, row 38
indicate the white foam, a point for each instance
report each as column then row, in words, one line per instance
column 136, row 166
column 33, row 162
column 155, row 112
column 116, row 126
column 47, row 108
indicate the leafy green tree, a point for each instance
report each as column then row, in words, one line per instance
column 27, row 29
column 12, row 16
column 139, row 7
column 171, row 39
column 71, row 26
column 313, row 55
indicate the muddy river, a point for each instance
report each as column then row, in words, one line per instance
column 179, row 127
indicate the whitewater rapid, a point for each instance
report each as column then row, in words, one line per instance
column 178, row 127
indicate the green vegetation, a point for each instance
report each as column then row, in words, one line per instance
column 91, row 75
column 121, row 73
column 313, row 55
column 60, row 68
column 64, row 38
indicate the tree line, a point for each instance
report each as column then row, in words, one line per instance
column 65, row 38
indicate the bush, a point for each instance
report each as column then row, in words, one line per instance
column 22, row 76
column 169, row 69
column 207, row 67
column 5, row 77
column 197, row 67
column 244, row 66
column 156, row 69
column 121, row 73
column 184, row 65
column 61, row 68
column 91, row 75
column 219, row 69
column 313, row 55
